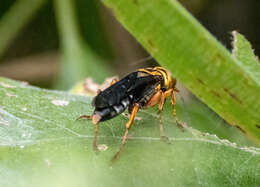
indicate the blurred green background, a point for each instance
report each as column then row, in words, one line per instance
column 53, row 44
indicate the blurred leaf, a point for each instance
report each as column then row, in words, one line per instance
column 177, row 41
column 43, row 145
column 79, row 61
column 21, row 12
column 92, row 27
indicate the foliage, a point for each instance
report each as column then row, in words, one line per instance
column 42, row 144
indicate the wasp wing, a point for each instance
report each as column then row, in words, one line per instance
column 135, row 84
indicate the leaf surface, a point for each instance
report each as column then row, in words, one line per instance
column 42, row 144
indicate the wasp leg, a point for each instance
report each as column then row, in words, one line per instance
column 128, row 126
column 173, row 101
column 113, row 82
column 95, row 138
column 84, row 117
column 159, row 97
column 164, row 95
column 95, row 119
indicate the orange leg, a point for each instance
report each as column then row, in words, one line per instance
column 95, row 138
column 85, row 117
column 95, row 120
column 128, row 126
column 159, row 97
column 160, row 106
column 164, row 95
column 173, row 101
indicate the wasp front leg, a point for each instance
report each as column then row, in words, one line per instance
column 164, row 95
column 159, row 97
column 128, row 126
column 173, row 101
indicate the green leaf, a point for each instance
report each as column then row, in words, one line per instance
column 178, row 42
column 42, row 144
column 243, row 52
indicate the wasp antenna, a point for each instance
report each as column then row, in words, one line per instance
column 176, row 90
column 84, row 117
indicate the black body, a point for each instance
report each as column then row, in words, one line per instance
column 137, row 87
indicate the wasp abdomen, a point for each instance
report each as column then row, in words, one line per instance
column 110, row 112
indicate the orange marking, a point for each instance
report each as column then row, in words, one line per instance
column 113, row 82
column 155, row 99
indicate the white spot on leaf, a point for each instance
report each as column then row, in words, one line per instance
column 10, row 95
column 60, row 102
column 47, row 161
column 102, row 147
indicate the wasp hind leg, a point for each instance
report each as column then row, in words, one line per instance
column 128, row 126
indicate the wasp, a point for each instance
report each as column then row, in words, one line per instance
column 141, row 89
